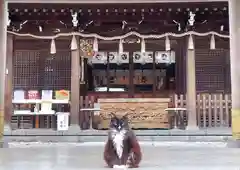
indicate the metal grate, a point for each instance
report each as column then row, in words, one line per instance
column 40, row 70
column 55, row 70
column 211, row 70
column 26, row 69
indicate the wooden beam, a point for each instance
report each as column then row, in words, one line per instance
column 75, row 87
column 191, row 87
column 3, row 51
column 8, row 80
column 109, row 1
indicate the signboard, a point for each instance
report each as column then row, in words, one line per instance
column 33, row 94
column 62, row 121
column 62, row 95
column 165, row 57
column 138, row 57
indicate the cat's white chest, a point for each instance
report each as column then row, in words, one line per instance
column 118, row 138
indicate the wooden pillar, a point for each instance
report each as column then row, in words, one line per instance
column 3, row 48
column 234, row 20
column 191, row 85
column 8, row 82
column 75, row 87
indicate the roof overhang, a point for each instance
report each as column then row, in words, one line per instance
column 109, row 1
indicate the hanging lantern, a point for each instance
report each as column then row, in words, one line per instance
column 74, row 43
column 167, row 44
column 212, row 43
column 143, row 46
column 53, row 47
column 120, row 48
column 95, row 45
column 190, row 43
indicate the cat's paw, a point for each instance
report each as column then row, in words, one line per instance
column 119, row 166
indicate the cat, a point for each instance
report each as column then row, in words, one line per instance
column 122, row 147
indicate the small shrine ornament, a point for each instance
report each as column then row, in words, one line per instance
column 86, row 45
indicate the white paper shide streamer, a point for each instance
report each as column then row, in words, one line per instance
column 167, row 44
column 95, row 45
column 74, row 45
column 143, row 46
column 53, row 47
column 212, row 43
column 190, row 43
column 120, row 48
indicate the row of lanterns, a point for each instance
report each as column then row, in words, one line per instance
column 94, row 45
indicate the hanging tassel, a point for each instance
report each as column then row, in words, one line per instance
column 212, row 43
column 190, row 43
column 74, row 43
column 143, row 46
column 53, row 47
column 95, row 45
column 167, row 44
column 120, row 48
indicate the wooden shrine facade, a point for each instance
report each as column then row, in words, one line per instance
column 42, row 63
column 109, row 20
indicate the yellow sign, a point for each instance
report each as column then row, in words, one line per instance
column 236, row 124
column 62, row 95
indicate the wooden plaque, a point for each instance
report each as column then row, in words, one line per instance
column 143, row 113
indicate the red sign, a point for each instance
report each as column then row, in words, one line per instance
column 33, row 94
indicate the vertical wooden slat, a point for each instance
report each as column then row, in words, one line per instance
column 181, row 100
column 215, row 109
column 85, row 113
column 81, row 117
column 176, row 100
column 210, row 110
column 221, row 110
column 227, row 109
column 199, row 110
column 204, row 110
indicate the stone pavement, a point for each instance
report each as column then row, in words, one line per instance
column 44, row 135
column 88, row 156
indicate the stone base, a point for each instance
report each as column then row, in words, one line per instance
column 7, row 129
column 232, row 143
column 4, row 143
column 190, row 128
column 73, row 130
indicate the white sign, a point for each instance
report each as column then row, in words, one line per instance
column 123, row 57
column 165, row 57
column 98, row 58
column 138, row 57
column 62, row 121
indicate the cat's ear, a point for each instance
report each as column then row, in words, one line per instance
column 113, row 115
column 125, row 117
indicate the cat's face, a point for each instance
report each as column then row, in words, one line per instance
column 119, row 124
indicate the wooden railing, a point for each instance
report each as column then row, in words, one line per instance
column 213, row 110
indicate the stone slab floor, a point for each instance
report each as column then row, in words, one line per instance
column 156, row 156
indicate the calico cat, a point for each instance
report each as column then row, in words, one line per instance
column 122, row 147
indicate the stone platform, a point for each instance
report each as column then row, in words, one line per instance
column 33, row 135
column 68, row 156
